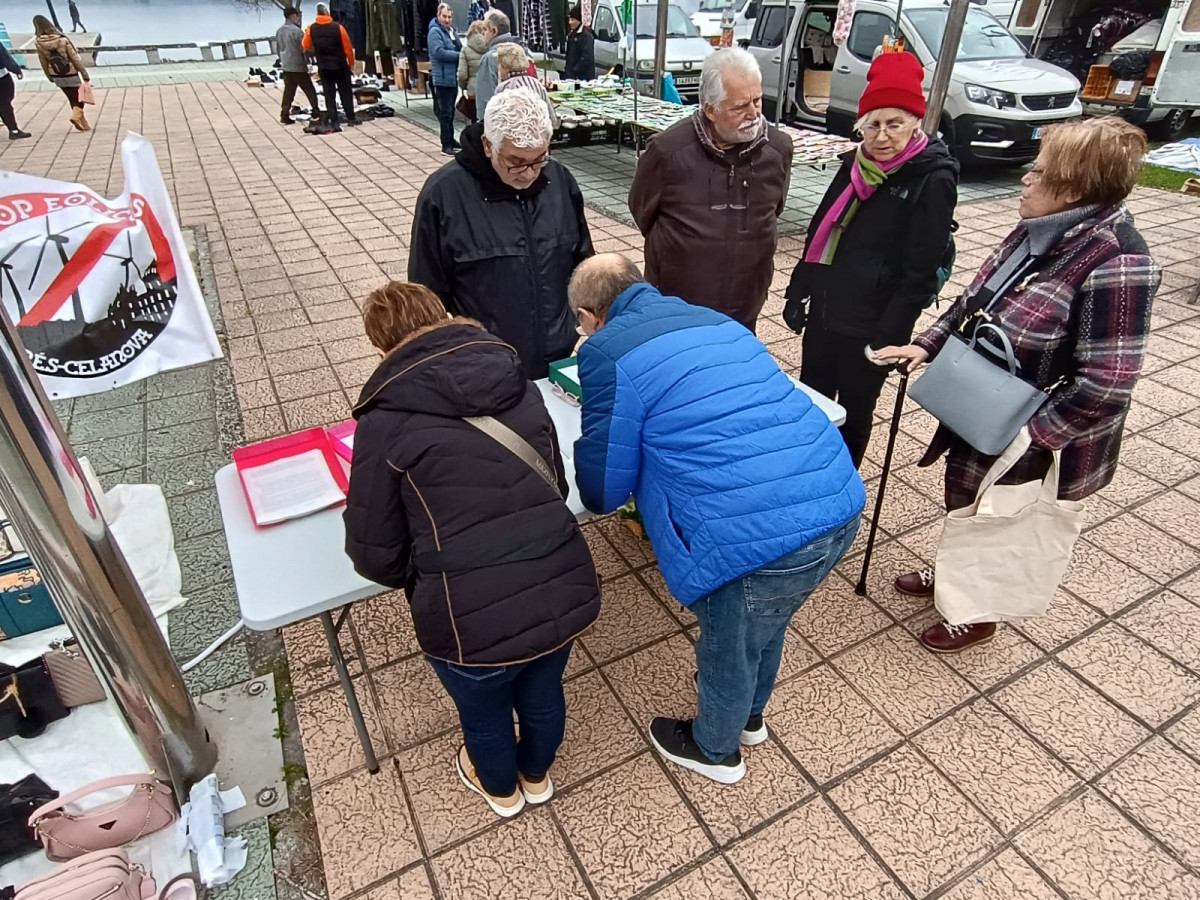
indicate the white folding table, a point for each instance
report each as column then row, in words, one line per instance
column 298, row 569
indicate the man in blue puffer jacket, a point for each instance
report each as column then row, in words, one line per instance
column 444, row 47
column 746, row 488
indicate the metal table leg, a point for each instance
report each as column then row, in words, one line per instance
column 339, row 663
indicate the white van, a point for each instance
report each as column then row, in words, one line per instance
column 998, row 102
column 1079, row 34
column 710, row 13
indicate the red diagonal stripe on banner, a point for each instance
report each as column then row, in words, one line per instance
column 158, row 239
column 73, row 273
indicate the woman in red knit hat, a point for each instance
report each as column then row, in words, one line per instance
column 874, row 246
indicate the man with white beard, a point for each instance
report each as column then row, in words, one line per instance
column 709, row 191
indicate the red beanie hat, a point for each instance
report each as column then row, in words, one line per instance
column 894, row 80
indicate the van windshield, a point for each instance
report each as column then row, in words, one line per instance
column 719, row 5
column 678, row 24
column 982, row 38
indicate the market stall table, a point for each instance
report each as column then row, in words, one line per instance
column 296, row 570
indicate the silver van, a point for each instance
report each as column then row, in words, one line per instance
column 999, row 99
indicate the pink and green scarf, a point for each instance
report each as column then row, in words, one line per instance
column 866, row 175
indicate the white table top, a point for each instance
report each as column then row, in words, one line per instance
column 298, row 569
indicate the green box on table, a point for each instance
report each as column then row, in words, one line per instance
column 565, row 374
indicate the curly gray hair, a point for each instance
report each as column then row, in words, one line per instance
column 519, row 115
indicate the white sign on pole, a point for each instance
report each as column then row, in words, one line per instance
column 102, row 291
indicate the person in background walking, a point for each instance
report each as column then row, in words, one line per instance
column 1071, row 287
column 444, row 50
column 62, row 65
column 328, row 41
column 497, row 30
column 74, row 11
column 289, row 39
column 874, row 247
column 708, row 193
column 497, row 574
column 10, row 73
column 747, row 492
column 581, row 48
column 468, row 64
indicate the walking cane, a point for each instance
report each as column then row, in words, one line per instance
column 861, row 587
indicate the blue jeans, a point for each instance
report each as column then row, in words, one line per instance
column 742, row 629
column 486, row 697
column 446, row 98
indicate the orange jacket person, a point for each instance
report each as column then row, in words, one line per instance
column 328, row 41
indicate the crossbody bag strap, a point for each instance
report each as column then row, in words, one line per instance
column 102, row 785
column 515, row 444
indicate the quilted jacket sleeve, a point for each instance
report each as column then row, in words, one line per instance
column 377, row 537
column 608, row 454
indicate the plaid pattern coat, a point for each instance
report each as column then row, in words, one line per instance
column 1083, row 318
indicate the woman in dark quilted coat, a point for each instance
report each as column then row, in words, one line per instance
column 497, row 572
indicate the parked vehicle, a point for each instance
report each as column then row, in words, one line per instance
column 1142, row 61
column 686, row 50
column 998, row 101
column 708, row 19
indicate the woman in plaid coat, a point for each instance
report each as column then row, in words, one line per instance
column 1071, row 288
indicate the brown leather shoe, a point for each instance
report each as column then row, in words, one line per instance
column 946, row 638
column 916, row 584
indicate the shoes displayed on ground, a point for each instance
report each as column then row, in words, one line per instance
column 673, row 739
column 18, row 134
column 505, row 807
column 536, row 792
column 946, row 638
column 916, row 584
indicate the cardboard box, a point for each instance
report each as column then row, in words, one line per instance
column 1125, row 91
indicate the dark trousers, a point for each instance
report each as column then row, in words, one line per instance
column 444, row 98
column 72, row 96
column 75, row 23
column 837, row 366
column 486, row 697
column 8, row 90
column 336, row 82
column 303, row 81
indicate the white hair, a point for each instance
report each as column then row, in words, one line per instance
column 712, row 75
column 444, row 6
column 519, row 115
column 322, row 9
column 498, row 20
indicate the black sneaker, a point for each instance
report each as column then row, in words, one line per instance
column 449, row 151
column 288, row 121
column 17, row 135
column 673, row 739
column 353, row 122
column 755, row 731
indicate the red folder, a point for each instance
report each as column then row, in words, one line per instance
column 338, row 434
column 289, row 445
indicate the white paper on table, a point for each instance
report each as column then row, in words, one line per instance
column 290, row 487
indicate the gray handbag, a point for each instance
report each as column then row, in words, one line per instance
column 983, row 403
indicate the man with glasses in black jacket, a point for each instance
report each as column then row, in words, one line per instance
column 499, row 230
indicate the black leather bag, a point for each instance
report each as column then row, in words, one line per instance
column 28, row 700
column 17, row 803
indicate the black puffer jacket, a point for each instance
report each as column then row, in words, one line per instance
column 500, row 255
column 494, row 564
column 885, row 268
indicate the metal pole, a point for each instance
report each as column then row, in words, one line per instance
column 660, row 45
column 785, row 51
column 56, row 516
column 53, row 14
column 955, row 19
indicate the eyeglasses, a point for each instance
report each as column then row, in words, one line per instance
column 521, row 168
column 892, row 129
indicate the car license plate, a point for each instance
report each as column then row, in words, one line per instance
column 687, row 80
column 1037, row 134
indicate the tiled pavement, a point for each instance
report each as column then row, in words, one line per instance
column 1063, row 760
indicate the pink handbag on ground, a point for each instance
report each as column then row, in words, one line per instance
column 66, row 835
column 104, row 875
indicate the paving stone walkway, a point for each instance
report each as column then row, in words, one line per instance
column 1063, row 760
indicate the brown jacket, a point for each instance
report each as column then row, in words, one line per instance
column 47, row 44
column 710, row 217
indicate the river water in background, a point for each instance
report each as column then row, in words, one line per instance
column 125, row 22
